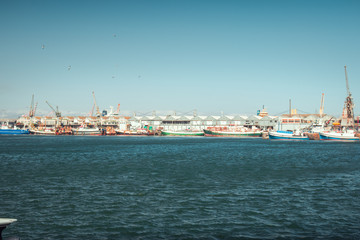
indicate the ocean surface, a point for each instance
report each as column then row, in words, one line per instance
column 111, row 187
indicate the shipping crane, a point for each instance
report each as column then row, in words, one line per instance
column 31, row 111
column 57, row 113
column 98, row 114
column 349, row 103
column 117, row 110
column 32, row 107
column 34, row 110
column 92, row 110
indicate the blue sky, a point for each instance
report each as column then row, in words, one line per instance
column 212, row 56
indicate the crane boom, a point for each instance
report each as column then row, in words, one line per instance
column 98, row 114
column 57, row 113
column 347, row 83
column 34, row 110
column 31, row 111
column 118, row 109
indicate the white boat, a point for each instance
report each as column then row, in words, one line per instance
column 287, row 135
column 182, row 133
column 42, row 131
column 138, row 132
column 86, row 131
column 348, row 135
column 4, row 222
column 239, row 131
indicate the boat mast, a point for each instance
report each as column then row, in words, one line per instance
column 98, row 114
column 290, row 107
column 321, row 112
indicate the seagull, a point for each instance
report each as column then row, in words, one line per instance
column 69, row 67
column 43, row 47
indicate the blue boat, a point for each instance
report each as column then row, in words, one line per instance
column 287, row 135
column 5, row 128
column 14, row 131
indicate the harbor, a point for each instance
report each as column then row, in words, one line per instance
column 291, row 126
column 179, row 120
column 172, row 125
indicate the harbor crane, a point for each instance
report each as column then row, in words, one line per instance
column 32, row 107
column 57, row 113
column 98, row 114
column 117, row 110
column 349, row 103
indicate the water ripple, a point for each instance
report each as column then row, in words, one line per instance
column 179, row 188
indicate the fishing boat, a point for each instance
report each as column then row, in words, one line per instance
column 288, row 135
column 138, row 132
column 182, row 133
column 232, row 132
column 314, row 130
column 43, row 131
column 84, row 130
column 110, row 131
column 345, row 128
column 63, row 131
column 348, row 135
column 5, row 129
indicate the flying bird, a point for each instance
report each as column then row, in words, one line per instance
column 69, row 67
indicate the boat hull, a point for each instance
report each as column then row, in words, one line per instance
column 313, row 136
column 209, row 133
column 185, row 133
column 338, row 136
column 41, row 132
column 86, row 132
column 14, row 131
column 130, row 133
column 286, row 136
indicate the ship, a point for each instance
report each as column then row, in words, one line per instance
column 241, row 132
column 288, row 135
column 84, row 130
column 137, row 132
column 345, row 129
column 43, row 131
column 188, row 133
column 349, row 135
column 13, row 131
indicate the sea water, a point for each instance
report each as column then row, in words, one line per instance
column 111, row 187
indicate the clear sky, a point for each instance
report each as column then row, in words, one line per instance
column 178, row 55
